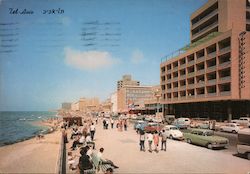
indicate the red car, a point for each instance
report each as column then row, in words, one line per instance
column 152, row 127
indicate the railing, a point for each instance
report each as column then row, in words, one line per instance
column 210, row 82
column 200, row 84
column 225, row 64
column 182, row 65
column 200, row 95
column 211, row 55
column 204, row 29
column 182, row 77
column 225, row 93
column 205, row 18
column 183, row 87
column 200, row 59
column 223, row 50
column 211, row 94
column 169, row 70
column 191, row 62
column 61, row 163
column 190, row 86
column 202, row 71
column 190, row 74
column 175, row 79
column 227, row 78
column 211, row 68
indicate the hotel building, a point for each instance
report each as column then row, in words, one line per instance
column 210, row 77
column 127, row 81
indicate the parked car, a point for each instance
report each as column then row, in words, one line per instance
column 231, row 127
column 173, row 132
column 206, row 138
column 242, row 121
column 182, row 123
column 152, row 127
column 141, row 123
column 243, row 145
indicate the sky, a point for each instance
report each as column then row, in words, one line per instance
column 61, row 50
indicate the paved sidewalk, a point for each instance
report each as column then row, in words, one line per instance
column 123, row 149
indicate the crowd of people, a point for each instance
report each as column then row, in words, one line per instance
column 82, row 138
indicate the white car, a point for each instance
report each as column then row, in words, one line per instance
column 173, row 132
column 231, row 127
column 242, row 121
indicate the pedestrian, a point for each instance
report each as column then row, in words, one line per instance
column 125, row 125
column 156, row 140
column 96, row 120
column 107, row 124
column 142, row 141
column 150, row 141
column 103, row 160
column 104, row 124
column 92, row 131
column 163, row 140
column 112, row 123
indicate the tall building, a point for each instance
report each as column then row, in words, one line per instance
column 130, row 97
column 210, row 77
column 113, row 98
column 127, row 81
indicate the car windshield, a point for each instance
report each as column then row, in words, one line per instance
column 173, row 128
column 208, row 133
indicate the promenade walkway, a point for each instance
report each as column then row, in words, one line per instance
column 123, row 149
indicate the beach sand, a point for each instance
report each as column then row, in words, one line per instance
column 31, row 156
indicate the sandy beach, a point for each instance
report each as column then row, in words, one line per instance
column 31, row 156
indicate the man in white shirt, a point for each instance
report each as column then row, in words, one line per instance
column 105, row 161
column 150, row 141
column 89, row 141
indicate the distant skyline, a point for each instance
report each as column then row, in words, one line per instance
column 59, row 51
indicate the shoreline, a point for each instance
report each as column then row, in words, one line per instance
column 47, row 128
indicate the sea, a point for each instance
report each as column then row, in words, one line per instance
column 20, row 126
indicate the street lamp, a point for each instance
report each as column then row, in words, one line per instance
column 157, row 95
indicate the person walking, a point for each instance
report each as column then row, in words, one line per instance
column 142, row 141
column 107, row 124
column 156, row 140
column 163, row 140
column 92, row 131
column 150, row 141
column 104, row 123
column 112, row 123
column 125, row 125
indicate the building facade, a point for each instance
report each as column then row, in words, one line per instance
column 114, row 106
column 210, row 77
column 86, row 105
column 133, row 97
column 66, row 106
column 127, row 81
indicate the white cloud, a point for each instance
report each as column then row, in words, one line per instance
column 137, row 57
column 88, row 60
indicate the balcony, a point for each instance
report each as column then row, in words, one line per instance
column 169, row 71
column 191, row 63
column 201, row 71
column 211, row 55
column 175, row 68
column 225, row 79
column 183, row 97
column 183, row 87
column 182, row 77
column 200, row 59
column 168, row 80
column 182, row 66
column 175, row 79
column 190, row 74
column 190, row 86
column 213, row 25
column 175, row 89
column 200, row 96
column 225, row 65
column 190, row 96
column 211, row 82
column 211, row 68
column 225, row 93
column 225, row 50
column 200, row 84
column 204, row 19
column 211, row 94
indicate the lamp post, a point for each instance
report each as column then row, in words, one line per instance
column 157, row 95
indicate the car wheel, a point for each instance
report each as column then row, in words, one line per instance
column 233, row 131
column 189, row 141
column 248, row 156
column 171, row 137
column 209, row 146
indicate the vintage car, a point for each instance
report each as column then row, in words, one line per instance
column 231, row 127
column 182, row 123
column 243, row 144
column 173, row 132
column 140, row 124
column 152, row 127
column 206, row 138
